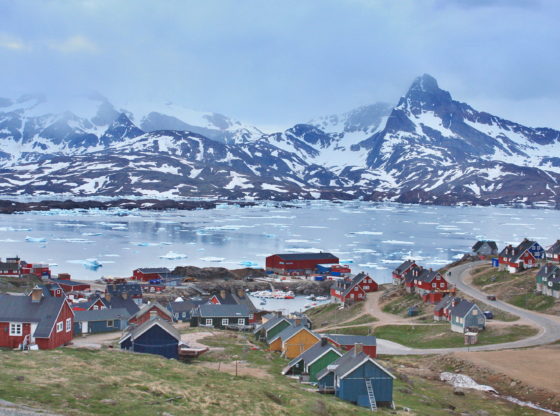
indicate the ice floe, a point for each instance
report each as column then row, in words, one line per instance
column 171, row 255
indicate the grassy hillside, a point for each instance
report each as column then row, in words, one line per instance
column 18, row 284
column 110, row 382
column 515, row 288
column 332, row 314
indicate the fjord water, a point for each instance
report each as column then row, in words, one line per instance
column 370, row 237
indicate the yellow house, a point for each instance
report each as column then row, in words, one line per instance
column 297, row 340
column 275, row 344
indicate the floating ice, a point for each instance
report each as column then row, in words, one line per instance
column 367, row 232
column 35, row 239
column 398, row 242
column 173, row 256
column 349, row 261
column 8, row 240
column 313, row 226
column 74, row 240
column 92, row 234
column 69, row 224
column 212, row 259
column 248, row 263
column 297, row 241
column 90, row 264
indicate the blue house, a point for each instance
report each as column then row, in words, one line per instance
column 358, row 378
column 181, row 310
column 466, row 316
column 100, row 320
column 155, row 336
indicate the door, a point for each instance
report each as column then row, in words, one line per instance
column 84, row 327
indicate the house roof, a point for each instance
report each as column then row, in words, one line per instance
column 289, row 332
column 227, row 299
column 462, row 308
column 345, row 361
column 146, row 308
column 307, row 256
column 356, row 361
column 221, row 311
column 365, row 340
column 183, row 306
column 555, row 248
column 68, row 282
column 119, row 302
column 548, row 270
column 9, row 266
column 245, row 300
column 479, row 244
column 129, row 288
column 149, row 270
column 22, row 309
column 101, row 315
column 443, row 303
column 135, row 331
column 513, row 253
column 400, row 269
column 426, row 275
column 311, row 355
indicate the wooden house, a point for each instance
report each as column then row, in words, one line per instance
column 312, row 361
column 220, row 316
column 553, row 252
column 427, row 280
column 293, row 341
column 359, row 379
column 44, row 321
column 100, row 320
column 150, row 311
column 400, row 272
column 146, row 274
column 548, row 280
column 181, row 309
column 355, row 289
column 272, row 327
column 524, row 256
column 93, row 303
column 71, row 285
column 347, row 342
column 298, row 263
column 466, row 316
column 441, row 309
column 485, row 248
column 155, row 336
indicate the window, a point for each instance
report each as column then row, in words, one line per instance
column 225, row 321
column 251, row 316
column 441, row 285
column 59, row 326
column 110, row 324
column 95, row 307
column 366, row 287
column 209, row 322
column 68, row 324
column 241, row 321
column 16, row 329
column 434, row 284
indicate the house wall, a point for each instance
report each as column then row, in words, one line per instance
column 217, row 322
column 299, row 343
column 95, row 327
column 369, row 350
column 275, row 330
column 7, row 341
column 147, row 316
column 353, row 386
column 369, row 285
column 276, row 345
column 321, row 364
column 145, row 277
column 64, row 337
column 275, row 262
column 327, row 381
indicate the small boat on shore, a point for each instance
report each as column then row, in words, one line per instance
column 321, row 298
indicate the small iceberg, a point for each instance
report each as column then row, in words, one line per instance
column 248, row 263
column 90, row 264
column 92, row 234
column 171, row 255
column 212, row 259
column 35, row 239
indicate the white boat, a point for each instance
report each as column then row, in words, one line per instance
column 320, row 298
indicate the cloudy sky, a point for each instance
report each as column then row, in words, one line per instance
column 274, row 63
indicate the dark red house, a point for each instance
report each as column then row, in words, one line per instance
column 347, row 342
column 36, row 319
column 149, row 311
column 146, row 274
column 71, row 285
column 300, row 263
column 400, row 272
column 355, row 289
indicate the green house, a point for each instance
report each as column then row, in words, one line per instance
column 312, row 361
column 272, row 327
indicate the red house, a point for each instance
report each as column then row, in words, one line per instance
column 36, row 269
column 347, row 342
column 428, row 280
column 400, row 272
column 149, row 311
column 147, row 274
column 36, row 319
column 524, row 256
column 71, row 285
column 553, row 252
column 300, row 263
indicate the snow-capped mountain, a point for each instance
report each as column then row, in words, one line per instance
column 429, row 148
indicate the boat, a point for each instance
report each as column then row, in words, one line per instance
column 186, row 351
column 320, row 298
column 310, row 297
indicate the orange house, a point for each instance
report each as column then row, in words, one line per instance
column 293, row 341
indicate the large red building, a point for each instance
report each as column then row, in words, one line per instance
column 301, row 263
column 36, row 319
column 146, row 274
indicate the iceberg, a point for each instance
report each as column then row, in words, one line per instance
column 248, row 263
column 35, row 239
column 214, row 259
column 171, row 255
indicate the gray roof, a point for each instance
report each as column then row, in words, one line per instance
column 307, row 256
column 101, row 315
column 289, row 332
column 462, row 308
column 555, row 248
column 311, row 354
column 145, row 308
column 513, row 253
column 22, row 309
column 426, row 275
column 479, row 244
column 129, row 288
column 183, row 306
column 222, row 311
column 548, row 270
column 68, row 282
column 271, row 323
column 154, row 270
column 444, row 302
column 344, row 361
column 136, row 330
column 400, row 269
column 9, row 266
column 366, row 340
column 118, row 302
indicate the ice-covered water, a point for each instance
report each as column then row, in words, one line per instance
column 369, row 237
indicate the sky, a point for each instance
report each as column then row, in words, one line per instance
column 274, row 63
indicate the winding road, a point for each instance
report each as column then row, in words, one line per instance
column 549, row 326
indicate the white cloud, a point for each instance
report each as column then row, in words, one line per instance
column 77, row 43
column 12, row 42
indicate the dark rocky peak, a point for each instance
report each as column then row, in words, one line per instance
column 424, row 94
column 309, row 134
column 122, row 128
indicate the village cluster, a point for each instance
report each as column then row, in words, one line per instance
column 51, row 314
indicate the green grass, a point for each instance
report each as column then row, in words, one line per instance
column 328, row 315
column 441, row 336
column 492, row 276
column 400, row 305
column 354, row 330
column 364, row 319
column 533, row 301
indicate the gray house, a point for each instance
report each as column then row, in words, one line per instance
column 220, row 316
column 101, row 320
column 466, row 316
column 485, row 248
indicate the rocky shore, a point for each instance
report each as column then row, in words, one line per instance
column 11, row 207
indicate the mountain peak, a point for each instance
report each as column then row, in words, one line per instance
column 425, row 83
